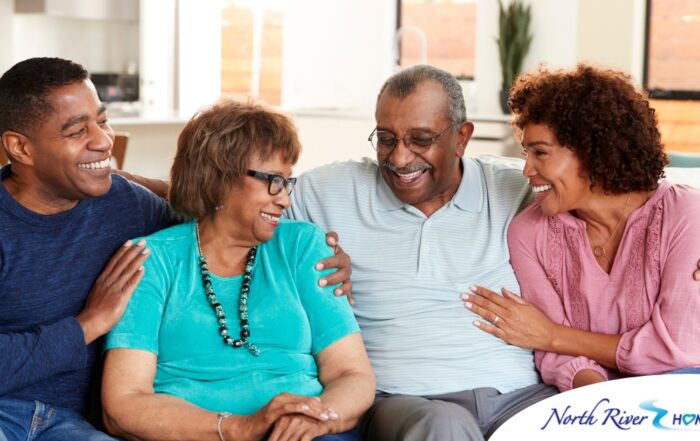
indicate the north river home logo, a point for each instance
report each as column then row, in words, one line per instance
column 605, row 414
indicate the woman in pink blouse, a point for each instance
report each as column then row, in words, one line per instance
column 605, row 254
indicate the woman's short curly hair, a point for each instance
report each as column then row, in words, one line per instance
column 215, row 148
column 598, row 114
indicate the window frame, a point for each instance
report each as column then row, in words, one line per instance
column 657, row 93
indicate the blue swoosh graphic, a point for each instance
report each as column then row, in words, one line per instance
column 660, row 413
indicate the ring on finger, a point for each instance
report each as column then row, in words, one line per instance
column 495, row 321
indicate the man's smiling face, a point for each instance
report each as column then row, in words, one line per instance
column 425, row 178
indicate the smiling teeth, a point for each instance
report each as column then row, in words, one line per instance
column 95, row 165
column 270, row 217
column 408, row 177
column 540, row 188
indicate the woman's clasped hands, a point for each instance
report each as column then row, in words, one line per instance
column 286, row 417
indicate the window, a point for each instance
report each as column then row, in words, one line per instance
column 672, row 58
column 671, row 66
column 444, row 30
column 251, row 49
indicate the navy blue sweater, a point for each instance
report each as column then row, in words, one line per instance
column 48, row 265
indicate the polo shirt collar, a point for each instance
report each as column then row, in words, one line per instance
column 469, row 195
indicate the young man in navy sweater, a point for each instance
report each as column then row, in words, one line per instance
column 63, row 215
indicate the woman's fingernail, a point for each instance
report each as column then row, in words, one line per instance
column 145, row 251
column 319, row 266
column 473, row 288
column 128, row 243
column 468, row 305
column 141, row 243
column 304, row 407
column 322, row 282
column 338, row 291
column 477, row 324
column 332, row 415
column 324, row 416
column 465, row 296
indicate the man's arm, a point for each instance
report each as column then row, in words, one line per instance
column 29, row 357
column 340, row 260
column 158, row 186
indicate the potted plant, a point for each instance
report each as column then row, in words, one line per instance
column 513, row 40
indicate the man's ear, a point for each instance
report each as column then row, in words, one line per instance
column 17, row 147
column 465, row 133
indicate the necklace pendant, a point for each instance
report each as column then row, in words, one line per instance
column 598, row 251
column 252, row 348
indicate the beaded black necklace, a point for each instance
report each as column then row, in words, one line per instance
column 242, row 302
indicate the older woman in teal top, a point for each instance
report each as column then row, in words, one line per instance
column 228, row 336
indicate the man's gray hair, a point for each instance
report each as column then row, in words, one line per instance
column 406, row 81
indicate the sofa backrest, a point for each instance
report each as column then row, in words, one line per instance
column 684, row 175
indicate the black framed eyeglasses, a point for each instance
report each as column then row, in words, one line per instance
column 416, row 140
column 275, row 183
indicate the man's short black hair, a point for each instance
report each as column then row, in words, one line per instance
column 25, row 87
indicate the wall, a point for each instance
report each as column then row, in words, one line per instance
column 618, row 27
column 6, row 58
column 565, row 33
column 198, row 55
column 554, row 30
column 336, row 54
column 100, row 45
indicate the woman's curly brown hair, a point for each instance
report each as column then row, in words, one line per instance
column 600, row 116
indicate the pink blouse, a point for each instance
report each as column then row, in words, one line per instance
column 649, row 297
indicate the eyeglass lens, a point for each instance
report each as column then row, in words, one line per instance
column 277, row 183
column 387, row 140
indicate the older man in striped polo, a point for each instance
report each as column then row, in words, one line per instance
column 423, row 224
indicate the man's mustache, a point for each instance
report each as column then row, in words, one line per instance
column 408, row 169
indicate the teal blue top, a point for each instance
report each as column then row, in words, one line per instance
column 291, row 320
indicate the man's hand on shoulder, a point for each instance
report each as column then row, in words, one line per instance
column 112, row 290
column 341, row 262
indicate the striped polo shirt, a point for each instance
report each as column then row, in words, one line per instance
column 409, row 271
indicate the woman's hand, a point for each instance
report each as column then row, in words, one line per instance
column 298, row 428
column 511, row 319
column 254, row 427
column 341, row 262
